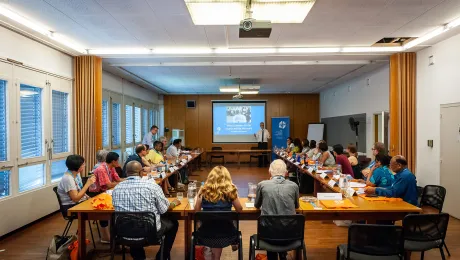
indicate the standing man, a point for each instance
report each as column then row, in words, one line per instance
column 148, row 138
column 262, row 137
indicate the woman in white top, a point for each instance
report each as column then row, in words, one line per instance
column 306, row 146
column 289, row 144
column 313, row 149
column 327, row 159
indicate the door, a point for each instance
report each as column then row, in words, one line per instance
column 450, row 154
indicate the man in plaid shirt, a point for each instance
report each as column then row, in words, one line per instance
column 136, row 195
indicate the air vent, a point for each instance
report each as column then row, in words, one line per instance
column 393, row 41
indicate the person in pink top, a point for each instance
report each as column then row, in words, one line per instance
column 106, row 175
column 341, row 159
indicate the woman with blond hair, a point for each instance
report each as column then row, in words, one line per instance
column 218, row 194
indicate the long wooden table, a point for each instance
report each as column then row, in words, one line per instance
column 371, row 211
column 210, row 153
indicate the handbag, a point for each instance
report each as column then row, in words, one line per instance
column 58, row 249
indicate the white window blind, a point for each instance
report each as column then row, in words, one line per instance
column 4, row 183
column 151, row 117
column 145, row 121
column 105, row 125
column 60, row 122
column 31, row 121
column 129, row 124
column 119, row 153
column 116, row 124
column 31, row 177
column 137, row 124
column 3, row 125
column 58, row 168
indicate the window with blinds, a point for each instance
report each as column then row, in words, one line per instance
column 137, row 124
column 105, row 125
column 60, row 122
column 3, row 126
column 116, row 124
column 151, row 117
column 31, row 121
column 31, row 177
column 4, row 184
column 120, row 159
column 58, row 168
column 129, row 124
column 145, row 121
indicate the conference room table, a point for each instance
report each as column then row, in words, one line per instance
column 370, row 211
column 238, row 153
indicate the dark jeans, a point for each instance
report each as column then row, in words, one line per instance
column 274, row 255
column 168, row 229
column 263, row 161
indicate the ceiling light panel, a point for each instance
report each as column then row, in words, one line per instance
column 216, row 12
column 281, row 11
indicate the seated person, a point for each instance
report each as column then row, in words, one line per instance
column 218, row 194
column 137, row 195
column 326, row 158
column 277, row 196
column 297, row 146
column 106, row 176
column 173, row 152
column 155, row 158
column 70, row 189
column 353, row 154
column 380, row 175
column 100, row 157
column 306, row 146
column 141, row 151
column 289, row 144
column 164, row 140
column 404, row 186
column 313, row 149
column 341, row 159
column 377, row 148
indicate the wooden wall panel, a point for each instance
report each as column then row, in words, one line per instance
column 302, row 110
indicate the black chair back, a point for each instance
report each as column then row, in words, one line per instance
column 280, row 228
column 216, row 218
column 61, row 208
column 375, row 240
column 357, row 171
column 134, row 229
column 216, row 148
column 425, row 227
column 433, row 196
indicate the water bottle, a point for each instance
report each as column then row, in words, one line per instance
column 191, row 194
column 316, row 165
column 177, row 160
column 342, row 182
column 339, row 169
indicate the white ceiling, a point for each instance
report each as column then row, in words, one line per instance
column 99, row 24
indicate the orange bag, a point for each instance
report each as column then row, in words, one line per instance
column 102, row 201
column 73, row 248
column 261, row 257
column 338, row 204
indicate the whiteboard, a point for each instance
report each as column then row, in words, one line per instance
column 315, row 132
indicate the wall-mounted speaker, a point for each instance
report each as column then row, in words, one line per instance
column 191, row 103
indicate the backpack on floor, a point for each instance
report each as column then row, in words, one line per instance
column 58, row 249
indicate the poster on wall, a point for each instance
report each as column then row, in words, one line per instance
column 280, row 132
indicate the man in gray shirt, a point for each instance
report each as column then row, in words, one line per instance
column 277, row 196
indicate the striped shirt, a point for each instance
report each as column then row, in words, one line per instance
column 136, row 195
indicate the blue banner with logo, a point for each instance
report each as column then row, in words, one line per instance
column 280, row 132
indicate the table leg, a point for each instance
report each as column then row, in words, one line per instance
column 81, row 236
column 187, row 235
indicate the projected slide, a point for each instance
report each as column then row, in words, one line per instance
column 236, row 121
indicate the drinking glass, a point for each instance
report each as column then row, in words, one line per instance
column 180, row 196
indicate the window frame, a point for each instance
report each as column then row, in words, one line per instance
column 6, row 74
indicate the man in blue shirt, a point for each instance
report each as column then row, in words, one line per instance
column 404, row 186
column 149, row 137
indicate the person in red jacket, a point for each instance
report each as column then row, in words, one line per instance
column 341, row 159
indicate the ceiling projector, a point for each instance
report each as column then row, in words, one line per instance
column 252, row 28
column 238, row 96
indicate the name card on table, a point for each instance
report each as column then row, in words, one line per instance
column 249, row 205
column 296, row 163
column 304, row 166
column 291, row 160
column 189, row 157
column 350, row 192
column 182, row 163
column 329, row 196
column 184, row 160
column 162, row 175
column 172, row 169
column 332, row 183
column 336, row 176
column 323, row 175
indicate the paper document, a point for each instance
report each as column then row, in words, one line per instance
column 357, row 185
